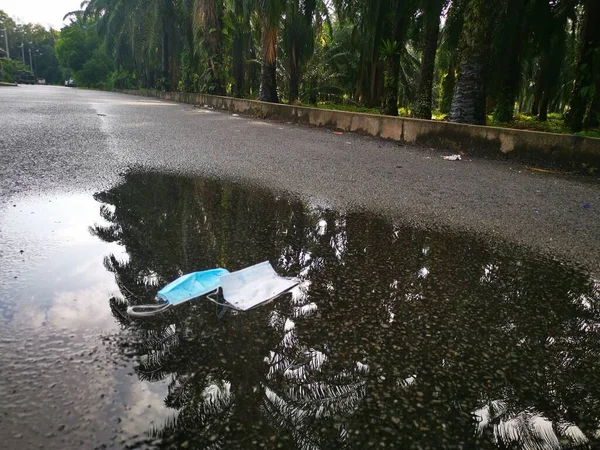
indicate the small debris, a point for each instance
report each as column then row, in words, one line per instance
column 235, row 115
column 537, row 169
column 452, row 158
column 587, row 206
column 101, row 115
column 338, row 132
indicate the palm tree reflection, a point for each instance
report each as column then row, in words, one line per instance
column 396, row 336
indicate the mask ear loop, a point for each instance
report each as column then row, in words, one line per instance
column 141, row 311
column 215, row 292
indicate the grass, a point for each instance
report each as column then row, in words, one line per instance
column 347, row 107
column 554, row 124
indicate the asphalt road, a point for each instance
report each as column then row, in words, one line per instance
column 56, row 139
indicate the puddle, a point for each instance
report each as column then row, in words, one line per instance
column 51, row 270
column 397, row 337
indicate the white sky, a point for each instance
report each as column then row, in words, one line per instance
column 45, row 12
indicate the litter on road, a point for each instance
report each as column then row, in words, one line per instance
column 452, row 158
column 555, row 172
column 242, row 290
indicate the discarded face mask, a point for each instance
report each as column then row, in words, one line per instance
column 183, row 289
column 242, row 290
column 254, row 285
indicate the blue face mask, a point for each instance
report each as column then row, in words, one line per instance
column 191, row 286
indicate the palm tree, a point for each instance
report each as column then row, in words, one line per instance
column 148, row 30
column 269, row 14
column 239, row 17
column 298, row 40
column 399, row 16
column 432, row 10
column 390, row 54
column 372, row 25
column 509, row 46
column 448, row 53
column 208, row 22
column 468, row 103
column 584, row 101
column 549, row 24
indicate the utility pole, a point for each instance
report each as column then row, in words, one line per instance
column 23, row 52
column 30, row 64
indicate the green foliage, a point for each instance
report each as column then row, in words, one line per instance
column 81, row 53
column 121, row 79
column 96, row 70
column 9, row 67
column 519, row 56
column 74, row 48
column 24, row 38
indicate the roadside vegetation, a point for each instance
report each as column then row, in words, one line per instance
column 31, row 49
column 530, row 64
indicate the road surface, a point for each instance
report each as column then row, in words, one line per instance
column 60, row 138
column 430, row 289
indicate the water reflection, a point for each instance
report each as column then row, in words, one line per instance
column 397, row 337
column 51, row 270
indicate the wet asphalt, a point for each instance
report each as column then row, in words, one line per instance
column 56, row 138
column 467, row 298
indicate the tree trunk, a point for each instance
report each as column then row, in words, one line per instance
column 505, row 106
column 543, row 111
column 268, row 75
column 212, row 25
column 469, row 101
column 165, row 52
column 390, row 105
column 593, row 116
column 509, row 67
column 537, row 96
column 294, row 75
column 586, row 70
column 239, row 47
column 504, row 109
column 238, row 66
column 422, row 108
column 253, row 70
column 448, row 90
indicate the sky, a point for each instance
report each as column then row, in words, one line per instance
column 45, row 12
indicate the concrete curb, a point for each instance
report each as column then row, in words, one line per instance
column 556, row 151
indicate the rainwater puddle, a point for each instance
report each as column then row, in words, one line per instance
column 396, row 338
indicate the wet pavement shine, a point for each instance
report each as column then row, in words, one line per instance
column 398, row 336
